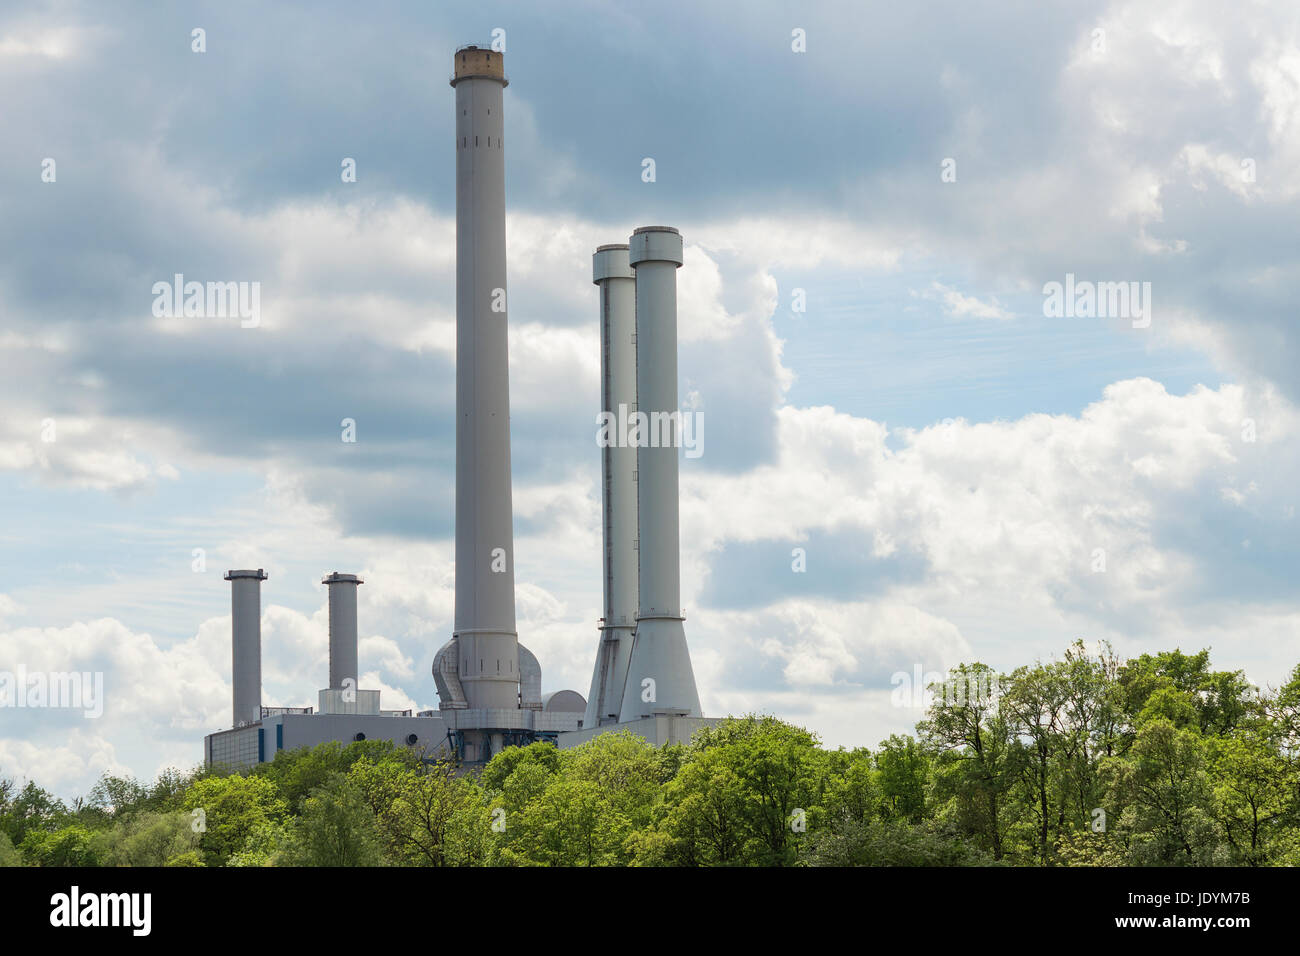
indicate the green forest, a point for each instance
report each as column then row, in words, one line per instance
column 1082, row 761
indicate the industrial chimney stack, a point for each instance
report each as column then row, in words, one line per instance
column 612, row 273
column 479, row 668
column 343, row 628
column 659, row 676
column 246, row 644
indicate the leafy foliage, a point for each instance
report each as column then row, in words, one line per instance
column 1082, row 761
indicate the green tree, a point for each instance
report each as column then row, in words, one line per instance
column 1164, row 789
column 1092, row 728
column 295, row 774
column 188, row 858
column 32, row 808
column 426, row 817
column 1220, row 700
column 1284, row 714
column 903, row 769
column 72, row 845
column 584, row 810
column 147, row 838
column 267, row 844
column 168, row 792
column 232, row 808
column 335, row 828
column 734, row 797
column 117, row 796
column 977, row 759
column 1252, row 790
column 1036, row 702
column 505, row 762
column 1169, row 703
column 703, row 816
column 850, row 789
column 8, row 855
column 892, row 843
column 571, row 823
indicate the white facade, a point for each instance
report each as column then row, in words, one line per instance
column 431, row 734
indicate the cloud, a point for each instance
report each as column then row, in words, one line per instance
column 815, row 174
column 1000, row 541
column 959, row 305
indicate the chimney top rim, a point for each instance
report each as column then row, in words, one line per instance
column 259, row 574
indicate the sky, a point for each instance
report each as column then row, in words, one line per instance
column 874, row 200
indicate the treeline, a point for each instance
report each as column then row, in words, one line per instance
column 1083, row 761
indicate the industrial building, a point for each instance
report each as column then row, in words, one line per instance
column 488, row 684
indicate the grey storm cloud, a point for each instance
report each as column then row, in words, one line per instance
column 714, row 95
column 158, row 147
column 855, row 128
column 839, row 564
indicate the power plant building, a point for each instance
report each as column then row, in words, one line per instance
column 489, row 685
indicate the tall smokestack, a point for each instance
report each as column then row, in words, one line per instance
column 612, row 273
column 343, row 628
column 485, row 561
column 659, row 675
column 246, row 644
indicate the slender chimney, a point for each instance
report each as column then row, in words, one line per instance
column 488, row 644
column 612, row 273
column 246, row 644
column 659, row 676
column 343, row 628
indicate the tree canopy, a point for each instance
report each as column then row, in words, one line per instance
column 1082, row 761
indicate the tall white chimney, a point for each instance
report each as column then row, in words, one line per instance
column 659, row 676
column 479, row 667
column 343, row 628
column 246, row 644
column 612, row 273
